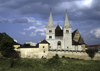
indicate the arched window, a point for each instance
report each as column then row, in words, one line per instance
column 59, row 43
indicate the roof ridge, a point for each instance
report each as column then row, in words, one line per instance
column 58, row 28
column 44, row 41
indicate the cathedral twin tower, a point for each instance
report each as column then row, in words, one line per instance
column 59, row 39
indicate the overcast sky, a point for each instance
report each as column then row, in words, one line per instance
column 25, row 20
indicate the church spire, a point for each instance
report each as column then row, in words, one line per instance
column 66, row 23
column 50, row 22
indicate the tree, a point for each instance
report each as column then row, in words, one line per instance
column 6, row 44
column 91, row 53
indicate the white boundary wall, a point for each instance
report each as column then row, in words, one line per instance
column 78, row 55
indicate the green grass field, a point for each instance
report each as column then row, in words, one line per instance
column 63, row 64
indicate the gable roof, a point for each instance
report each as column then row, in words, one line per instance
column 44, row 41
column 74, row 33
column 15, row 43
column 58, row 28
column 37, row 45
column 58, row 31
column 80, row 41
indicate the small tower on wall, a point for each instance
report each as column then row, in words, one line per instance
column 67, row 34
column 50, row 32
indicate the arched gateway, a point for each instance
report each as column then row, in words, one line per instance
column 59, row 44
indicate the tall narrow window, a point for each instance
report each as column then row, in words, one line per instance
column 50, row 31
column 50, row 37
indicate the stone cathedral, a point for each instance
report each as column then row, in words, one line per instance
column 63, row 39
column 59, row 41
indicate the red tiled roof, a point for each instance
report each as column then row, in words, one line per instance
column 92, row 46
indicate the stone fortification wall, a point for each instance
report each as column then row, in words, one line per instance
column 78, row 55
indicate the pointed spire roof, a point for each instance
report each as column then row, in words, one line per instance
column 66, row 23
column 50, row 22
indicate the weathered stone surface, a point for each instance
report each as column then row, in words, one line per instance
column 78, row 55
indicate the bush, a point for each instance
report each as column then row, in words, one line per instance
column 91, row 53
column 67, row 57
column 63, row 56
column 72, row 58
column 54, row 61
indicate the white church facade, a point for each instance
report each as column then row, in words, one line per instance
column 57, row 39
column 63, row 39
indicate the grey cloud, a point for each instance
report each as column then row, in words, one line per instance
column 20, row 21
column 3, row 21
column 90, row 14
column 42, row 7
column 31, row 6
column 4, row 1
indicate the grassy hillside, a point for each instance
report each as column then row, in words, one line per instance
column 53, row 64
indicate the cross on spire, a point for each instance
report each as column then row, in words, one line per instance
column 58, row 23
column 50, row 9
column 66, row 9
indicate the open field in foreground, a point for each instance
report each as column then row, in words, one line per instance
column 62, row 64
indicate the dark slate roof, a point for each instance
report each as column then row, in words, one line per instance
column 80, row 41
column 74, row 33
column 74, row 42
column 58, row 31
column 92, row 46
column 37, row 45
column 58, row 27
column 44, row 41
column 15, row 43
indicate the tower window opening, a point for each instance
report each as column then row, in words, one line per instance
column 67, row 31
column 44, row 51
column 50, row 36
column 59, row 43
column 50, row 31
